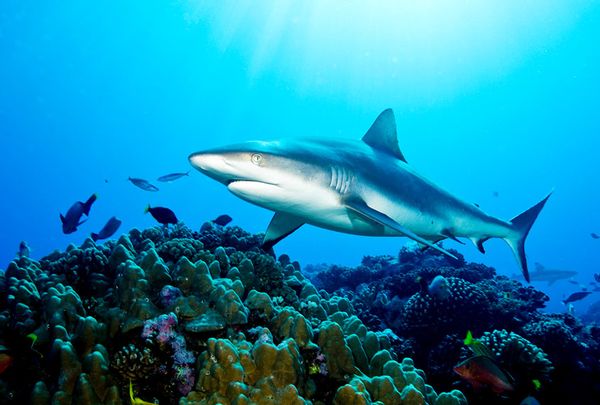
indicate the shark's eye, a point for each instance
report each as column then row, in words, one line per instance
column 256, row 158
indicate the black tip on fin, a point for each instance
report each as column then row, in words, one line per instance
column 522, row 224
column 268, row 248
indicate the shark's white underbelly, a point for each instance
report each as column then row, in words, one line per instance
column 324, row 207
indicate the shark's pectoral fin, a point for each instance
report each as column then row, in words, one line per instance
column 281, row 226
column 423, row 247
column 359, row 206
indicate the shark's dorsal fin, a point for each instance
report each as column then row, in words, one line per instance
column 382, row 135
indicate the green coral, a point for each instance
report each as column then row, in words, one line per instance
column 237, row 373
column 340, row 362
column 173, row 250
column 289, row 323
column 518, row 355
column 193, row 278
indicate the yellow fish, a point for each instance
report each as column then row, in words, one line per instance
column 135, row 400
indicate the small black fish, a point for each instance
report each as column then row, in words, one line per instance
column 167, row 178
column 72, row 219
column 594, row 235
column 222, row 220
column 163, row 215
column 108, row 229
column 24, row 250
column 143, row 184
column 576, row 296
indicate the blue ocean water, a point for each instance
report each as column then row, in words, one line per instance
column 496, row 102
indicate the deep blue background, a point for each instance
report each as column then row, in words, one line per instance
column 488, row 97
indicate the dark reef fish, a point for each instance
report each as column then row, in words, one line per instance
column 143, row 184
column 222, row 220
column 439, row 288
column 72, row 219
column 529, row 401
column 167, row 178
column 594, row 235
column 482, row 371
column 162, row 214
column 359, row 187
column 576, row 296
column 24, row 250
column 108, row 229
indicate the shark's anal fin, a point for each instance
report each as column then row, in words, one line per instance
column 360, row 207
column 478, row 242
column 281, row 226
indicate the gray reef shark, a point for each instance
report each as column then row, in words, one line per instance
column 551, row 276
column 362, row 187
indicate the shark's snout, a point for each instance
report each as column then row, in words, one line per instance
column 213, row 165
column 206, row 162
column 222, row 167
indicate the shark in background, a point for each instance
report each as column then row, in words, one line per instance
column 362, row 187
column 551, row 276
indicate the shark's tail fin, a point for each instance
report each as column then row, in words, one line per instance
column 522, row 223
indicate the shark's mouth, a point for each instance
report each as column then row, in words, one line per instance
column 233, row 181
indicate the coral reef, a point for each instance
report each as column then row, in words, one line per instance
column 390, row 294
column 179, row 316
column 426, row 316
column 523, row 359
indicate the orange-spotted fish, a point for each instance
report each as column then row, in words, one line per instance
column 5, row 361
column 482, row 371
